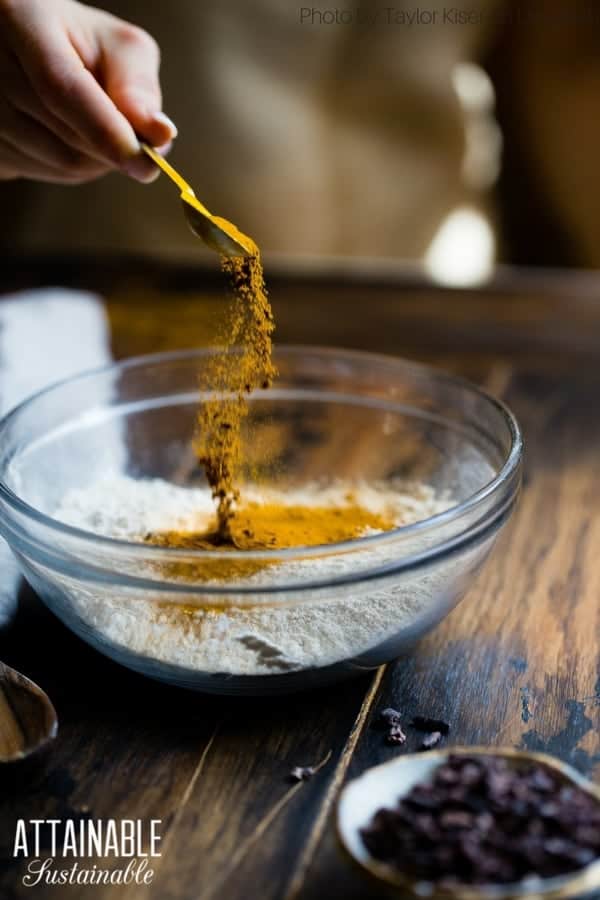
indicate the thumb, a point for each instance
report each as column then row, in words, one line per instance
column 130, row 65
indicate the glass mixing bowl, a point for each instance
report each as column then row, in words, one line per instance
column 284, row 619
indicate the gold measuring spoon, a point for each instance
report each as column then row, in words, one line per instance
column 217, row 233
column 27, row 718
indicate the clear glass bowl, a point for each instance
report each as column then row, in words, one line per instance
column 324, row 612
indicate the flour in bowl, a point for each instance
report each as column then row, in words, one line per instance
column 310, row 629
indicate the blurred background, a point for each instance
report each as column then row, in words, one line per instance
column 358, row 134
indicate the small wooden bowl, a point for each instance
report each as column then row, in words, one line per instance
column 28, row 722
column 384, row 785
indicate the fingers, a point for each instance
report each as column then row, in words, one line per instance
column 69, row 91
column 66, row 88
column 21, row 97
column 36, row 141
column 129, row 66
column 77, row 87
column 27, row 126
column 15, row 163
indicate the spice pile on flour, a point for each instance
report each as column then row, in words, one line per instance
column 254, row 636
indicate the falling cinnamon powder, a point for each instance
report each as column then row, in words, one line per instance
column 243, row 364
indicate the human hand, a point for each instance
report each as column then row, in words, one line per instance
column 76, row 86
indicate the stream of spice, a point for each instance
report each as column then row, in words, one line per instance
column 228, row 380
column 243, row 365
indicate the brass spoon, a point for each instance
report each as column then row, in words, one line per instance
column 382, row 786
column 217, row 233
column 28, row 719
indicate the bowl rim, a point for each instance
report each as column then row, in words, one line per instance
column 508, row 470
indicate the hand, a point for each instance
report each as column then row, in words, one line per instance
column 76, row 86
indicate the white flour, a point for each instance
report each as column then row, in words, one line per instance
column 260, row 639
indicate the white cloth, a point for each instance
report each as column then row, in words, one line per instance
column 45, row 335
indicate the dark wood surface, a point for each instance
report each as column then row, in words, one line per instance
column 517, row 663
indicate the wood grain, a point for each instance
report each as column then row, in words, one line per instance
column 517, row 663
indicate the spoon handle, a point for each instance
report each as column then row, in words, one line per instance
column 174, row 175
column 167, row 168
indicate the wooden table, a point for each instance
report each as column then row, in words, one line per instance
column 517, row 663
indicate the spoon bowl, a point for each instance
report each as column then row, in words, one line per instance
column 382, row 787
column 28, row 720
column 217, row 233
